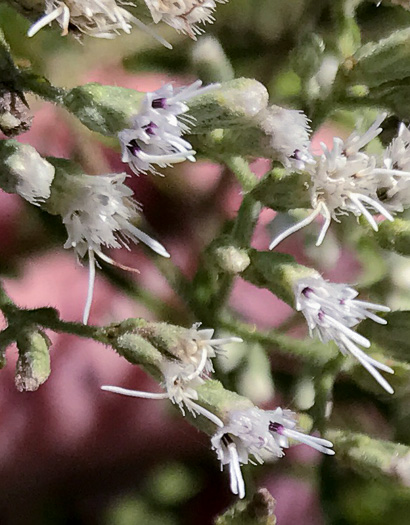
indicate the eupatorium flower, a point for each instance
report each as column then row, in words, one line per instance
column 394, row 190
column 258, row 434
column 289, row 131
column 331, row 311
column 199, row 348
column 180, row 383
column 155, row 137
column 346, row 180
column 181, row 378
column 97, row 18
column 98, row 213
column 184, row 15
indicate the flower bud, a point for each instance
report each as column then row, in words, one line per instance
column 235, row 104
column 14, row 115
column 33, row 364
column 231, row 259
column 105, row 109
column 210, row 61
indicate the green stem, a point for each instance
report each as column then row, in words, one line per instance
column 312, row 352
column 240, row 168
column 246, row 221
column 7, row 306
column 323, row 385
column 41, row 86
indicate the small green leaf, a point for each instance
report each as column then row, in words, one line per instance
column 384, row 61
column 306, row 58
column 372, row 457
column 394, row 235
column 394, row 337
column 282, row 191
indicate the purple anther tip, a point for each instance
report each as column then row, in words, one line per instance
column 276, row 427
column 159, row 103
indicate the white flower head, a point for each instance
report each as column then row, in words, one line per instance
column 395, row 189
column 184, row 15
column 331, row 311
column 30, row 176
column 289, row 130
column 346, row 180
column 155, row 137
column 199, row 347
column 96, row 18
column 98, row 214
column 180, row 383
column 253, row 433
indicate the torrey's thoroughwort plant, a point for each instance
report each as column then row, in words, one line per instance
column 357, row 186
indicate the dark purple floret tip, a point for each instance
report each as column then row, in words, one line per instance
column 306, row 291
column 134, row 148
column 276, row 427
column 159, row 103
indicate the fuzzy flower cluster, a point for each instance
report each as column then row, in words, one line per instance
column 100, row 214
column 289, row 133
column 331, row 311
column 394, row 188
column 347, row 180
column 182, row 378
column 249, row 433
column 184, row 15
column 255, row 434
column 155, row 136
column 107, row 18
column 97, row 18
